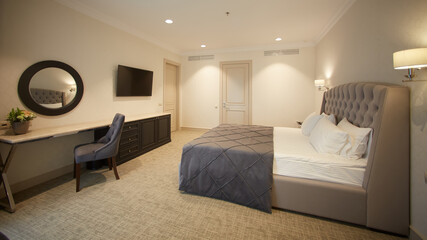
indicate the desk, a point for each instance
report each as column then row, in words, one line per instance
column 7, row 137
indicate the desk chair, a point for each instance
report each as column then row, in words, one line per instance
column 105, row 147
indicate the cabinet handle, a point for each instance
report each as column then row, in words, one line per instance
column 129, row 150
column 129, row 127
column 130, row 139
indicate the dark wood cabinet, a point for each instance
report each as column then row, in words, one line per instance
column 141, row 136
column 164, row 129
column 148, row 130
column 129, row 141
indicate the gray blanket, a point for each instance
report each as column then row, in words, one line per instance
column 232, row 163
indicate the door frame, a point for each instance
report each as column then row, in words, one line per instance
column 178, row 78
column 221, row 94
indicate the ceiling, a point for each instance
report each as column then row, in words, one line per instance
column 250, row 24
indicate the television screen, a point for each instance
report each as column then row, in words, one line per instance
column 134, row 81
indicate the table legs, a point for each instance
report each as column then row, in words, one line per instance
column 10, row 207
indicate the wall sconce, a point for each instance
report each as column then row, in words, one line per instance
column 410, row 59
column 320, row 84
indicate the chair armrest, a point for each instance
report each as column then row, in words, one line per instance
column 102, row 140
column 99, row 150
column 83, row 144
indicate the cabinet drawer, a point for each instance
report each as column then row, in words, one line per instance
column 129, row 136
column 132, row 138
column 131, row 126
column 130, row 149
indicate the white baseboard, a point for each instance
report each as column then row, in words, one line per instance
column 415, row 235
column 193, row 129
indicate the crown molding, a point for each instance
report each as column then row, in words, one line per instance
column 334, row 20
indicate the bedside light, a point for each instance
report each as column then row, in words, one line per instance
column 410, row 59
column 320, row 84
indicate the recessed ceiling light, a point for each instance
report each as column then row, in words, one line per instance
column 169, row 21
column 203, row 45
column 278, row 39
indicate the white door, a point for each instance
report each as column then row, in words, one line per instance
column 170, row 93
column 236, row 89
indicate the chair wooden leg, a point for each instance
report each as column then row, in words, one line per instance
column 74, row 172
column 77, row 166
column 113, row 161
column 109, row 163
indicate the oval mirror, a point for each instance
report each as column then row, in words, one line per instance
column 50, row 88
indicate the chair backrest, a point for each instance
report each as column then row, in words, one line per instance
column 112, row 138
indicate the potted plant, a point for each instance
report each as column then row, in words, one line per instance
column 20, row 120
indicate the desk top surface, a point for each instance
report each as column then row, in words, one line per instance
column 7, row 135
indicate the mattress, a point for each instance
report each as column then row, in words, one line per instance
column 295, row 157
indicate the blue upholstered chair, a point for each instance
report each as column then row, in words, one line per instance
column 105, row 147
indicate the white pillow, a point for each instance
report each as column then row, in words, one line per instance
column 358, row 141
column 330, row 118
column 328, row 138
column 309, row 123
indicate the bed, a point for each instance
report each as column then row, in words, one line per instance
column 377, row 194
column 48, row 98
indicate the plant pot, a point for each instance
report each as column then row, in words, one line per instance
column 20, row 127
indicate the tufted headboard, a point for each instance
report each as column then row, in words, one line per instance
column 46, row 96
column 358, row 102
column 385, row 109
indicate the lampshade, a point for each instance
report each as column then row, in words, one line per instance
column 411, row 58
column 319, row 82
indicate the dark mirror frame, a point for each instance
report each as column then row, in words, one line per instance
column 24, row 88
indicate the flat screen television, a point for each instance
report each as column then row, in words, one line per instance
column 134, row 82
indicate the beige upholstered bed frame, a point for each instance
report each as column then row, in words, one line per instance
column 383, row 200
column 47, row 96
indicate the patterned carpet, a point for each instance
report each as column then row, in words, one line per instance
column 146, row 204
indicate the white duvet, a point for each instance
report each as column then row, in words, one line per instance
column 294, row 156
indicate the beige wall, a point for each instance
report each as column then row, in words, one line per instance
column 282, row 88
column 360, row 47
column 33, row 31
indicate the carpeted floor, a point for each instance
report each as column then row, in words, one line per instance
column 146, row 204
